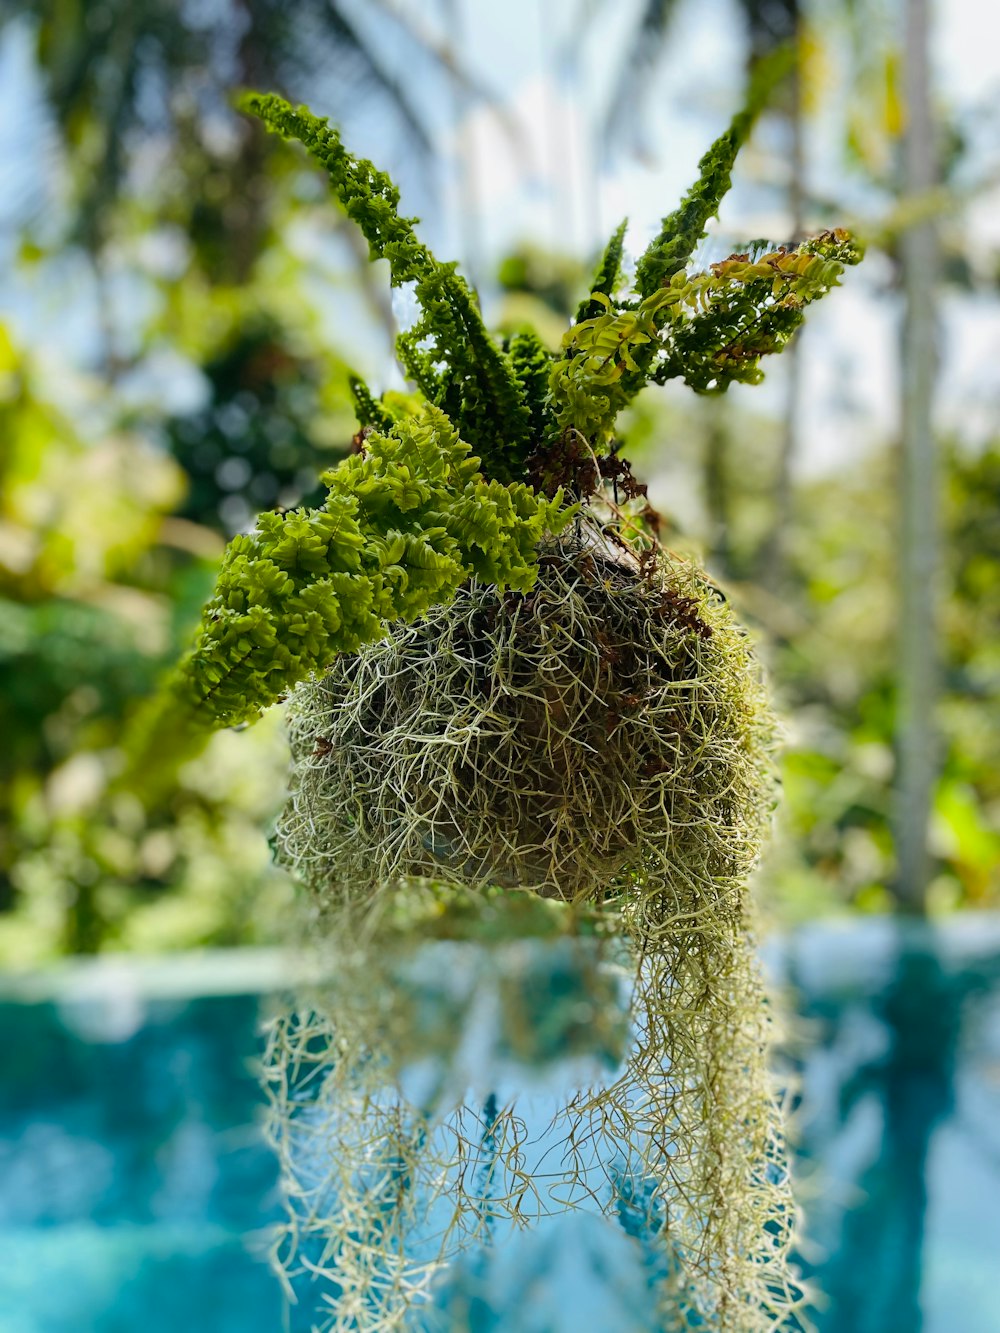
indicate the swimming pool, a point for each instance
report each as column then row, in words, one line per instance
column 136, row 1190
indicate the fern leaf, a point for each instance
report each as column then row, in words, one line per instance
column 606, row 277
column 480, row 392
column 405, row 523
column 742, row 310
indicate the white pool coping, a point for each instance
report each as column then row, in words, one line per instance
column 865, row 941
column 169, row 976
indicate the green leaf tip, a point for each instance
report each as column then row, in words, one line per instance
column 682, row 230
column 367, row 408
column 607, row 275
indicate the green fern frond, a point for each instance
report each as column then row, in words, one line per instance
column 479, row 390
column 742, row 310
column 681, row 231
column 531, row 361
column 709, row 329
column 404, row 524
column 699, row 327
column 417, row 366
column 595, row 377
column 367, row 408
column 606, row 278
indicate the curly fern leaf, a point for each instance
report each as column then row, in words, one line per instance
column 588, row 385
column 709, row 329
column 531, row 361
column 367, row 408
column 405, row 523
column 479, row 389
column 682, row 230
column 741, row 310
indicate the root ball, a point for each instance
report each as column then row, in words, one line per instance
column 606, row 731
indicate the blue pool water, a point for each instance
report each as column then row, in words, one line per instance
column 136, row 1189
column 899, row 1123
column 132, row 1172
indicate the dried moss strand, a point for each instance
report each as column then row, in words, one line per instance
column 443, row 732
column 691, row 1125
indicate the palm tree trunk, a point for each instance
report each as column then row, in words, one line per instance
column 916, row 746
column 773, row 562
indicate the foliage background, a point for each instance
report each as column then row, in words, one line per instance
column 180, row 304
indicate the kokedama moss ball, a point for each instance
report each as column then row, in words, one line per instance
column 604, row 736
column 588, row 757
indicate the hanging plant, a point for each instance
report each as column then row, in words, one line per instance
column 514, row 712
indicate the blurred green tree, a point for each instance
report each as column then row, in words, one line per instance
column 256, row 443
column 97, row 587
column 834, row 659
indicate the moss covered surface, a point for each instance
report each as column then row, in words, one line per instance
column 604, row 736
